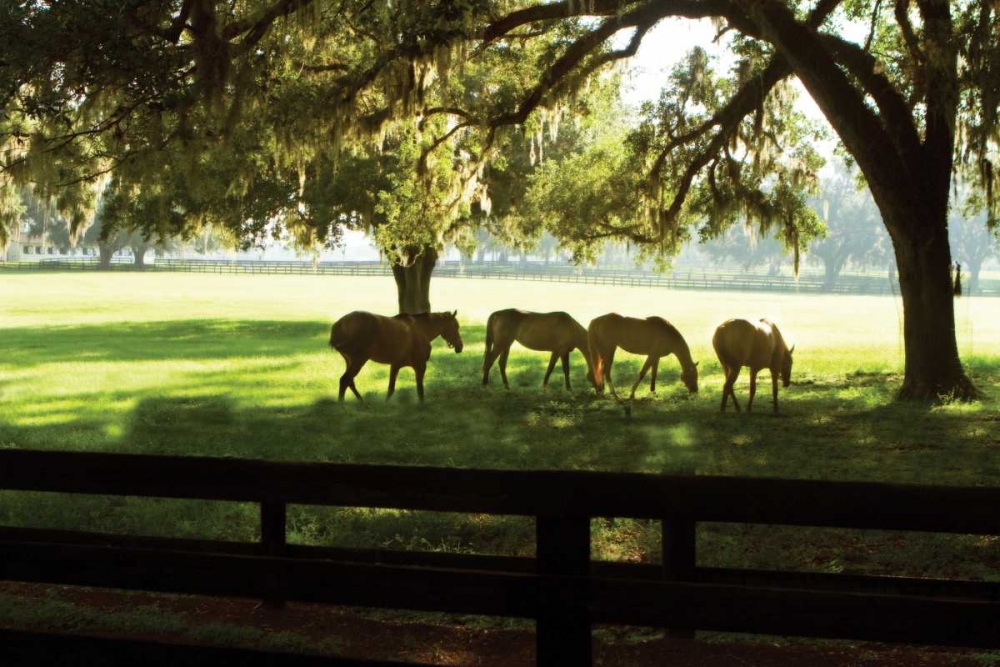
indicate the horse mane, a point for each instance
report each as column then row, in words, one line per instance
column 777, row 334
column 423, row 316
column 656, row 319
column 674, row 331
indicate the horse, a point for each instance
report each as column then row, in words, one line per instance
column 653, row 336
column 739, row 343
column 557, row 333
column 403, row 340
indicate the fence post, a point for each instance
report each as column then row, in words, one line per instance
column 273, row 520
column 678, row 558
column 563, row 625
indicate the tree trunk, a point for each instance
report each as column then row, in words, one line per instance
column 106, row 251
column 139, row 255
column 413, row 280
column 974, row 268
column 932, row 368
column 831, row 272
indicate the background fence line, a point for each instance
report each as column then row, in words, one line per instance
column 682, row 278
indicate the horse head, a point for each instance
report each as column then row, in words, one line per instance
column 786, row 368
column 450, row 331
column 689, row 376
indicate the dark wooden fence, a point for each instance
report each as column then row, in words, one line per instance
column 684, row 278
column 562, row 588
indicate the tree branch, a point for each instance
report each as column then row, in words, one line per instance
column 906, row 28
column 257, row 26
column 643, row 18
column 871, row 28
column 748, row 98
column 843, row 105
column 896, row 115
column 942, row 95
column 545, row 12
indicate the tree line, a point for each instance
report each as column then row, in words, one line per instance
column 261, row 117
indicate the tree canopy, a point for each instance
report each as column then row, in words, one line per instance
column 279, row 91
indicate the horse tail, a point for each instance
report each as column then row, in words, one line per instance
column 340, row 332
column 489, row 335
column 597, row 359
column 335, row 336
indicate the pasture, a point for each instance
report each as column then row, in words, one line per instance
column 239, row 366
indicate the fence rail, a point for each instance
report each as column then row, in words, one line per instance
column 561, row 587
column 694, row 279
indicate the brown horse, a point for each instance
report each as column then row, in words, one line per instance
column 557, row 333
column 758, row 345
column 653, row 336
column 403, row 340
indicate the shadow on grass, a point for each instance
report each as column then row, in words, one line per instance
column 843, row 427
column 270, row 407
column 157, row 341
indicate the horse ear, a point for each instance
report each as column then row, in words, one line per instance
column 791, row 350
column 455, row 313
column 696, row 364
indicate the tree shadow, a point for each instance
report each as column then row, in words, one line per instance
column 162, row 340
column 845, row 428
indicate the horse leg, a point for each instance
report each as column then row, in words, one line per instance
column 488, row 359
column 652, row 383
column 730, row 381
column 642, row 374
column 393, row 372
column 753, row 388
column 725, row 388
column 552, row 365
column 352, row 371
column 565, row 365
column 503, row 367
column 774, row 390
column 607, row 371
column 420, row 370
column 344, row 381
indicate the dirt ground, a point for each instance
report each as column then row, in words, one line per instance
column 452, row 641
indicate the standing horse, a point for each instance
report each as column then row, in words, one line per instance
column 758, row 345
column 557, row 333
column 653, row 336
column 403, row 340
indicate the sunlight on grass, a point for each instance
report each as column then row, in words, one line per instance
column 239, row 366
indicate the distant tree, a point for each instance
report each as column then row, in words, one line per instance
column 743, row 246
column 12, row 208
column 854, row 230
column 973, row 244
column 211, row 239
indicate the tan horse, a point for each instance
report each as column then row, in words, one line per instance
column 758, row 345
column 403, row 340
column 653, row 336
column 557, row 333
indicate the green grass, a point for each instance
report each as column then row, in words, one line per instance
column 238, row 366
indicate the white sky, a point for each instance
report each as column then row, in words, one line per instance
column 666, row 44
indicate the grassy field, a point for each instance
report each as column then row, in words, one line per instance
column 239, row 366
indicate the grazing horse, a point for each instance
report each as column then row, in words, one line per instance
column 653, row 336
column 403, row 340
column 557, row 333
column 758, row 345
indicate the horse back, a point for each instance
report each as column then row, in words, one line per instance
column 387, row 340
column 555, row 332
column 740, row 342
